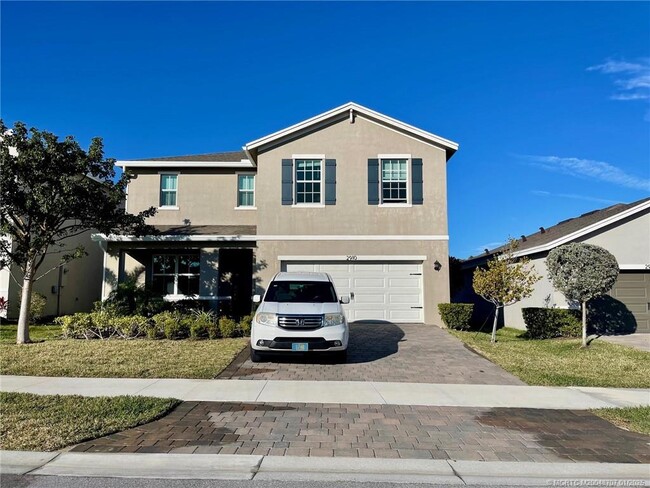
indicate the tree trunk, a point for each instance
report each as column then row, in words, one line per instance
column 493, row 339
column 584, row 324
column 22, row 337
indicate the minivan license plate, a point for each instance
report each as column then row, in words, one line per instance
column 300, row 346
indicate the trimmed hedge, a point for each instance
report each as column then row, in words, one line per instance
column 104, row 324
column 456, row 315
column 548, row 323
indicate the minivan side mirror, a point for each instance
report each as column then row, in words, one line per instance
column 345, row 299
column 257, row 299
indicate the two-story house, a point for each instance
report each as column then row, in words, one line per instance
column 350, row 192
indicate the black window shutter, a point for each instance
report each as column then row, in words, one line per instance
column 287, row 182
column 330, row 182
column 373, row 182
column 416, row 185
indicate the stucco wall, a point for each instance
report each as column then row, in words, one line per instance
column 80, row 280
column 352, row 144
column 205, row 196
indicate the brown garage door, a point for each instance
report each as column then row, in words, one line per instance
column 633, row 289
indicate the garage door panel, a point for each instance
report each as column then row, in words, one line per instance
column 382, row 290
column 404, row 315
column 379, row 283
column 631, row 292
column 367, row 268
column 405, row 299
column 339, row 269
column 413, row 282
column 369, row 298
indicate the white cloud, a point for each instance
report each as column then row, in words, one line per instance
column 489, row 245
column 631, row 79
column 587, row 168
column 572, row 196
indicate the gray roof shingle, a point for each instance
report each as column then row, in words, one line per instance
column 231, row 156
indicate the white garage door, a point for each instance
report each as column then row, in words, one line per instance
column 389, row 291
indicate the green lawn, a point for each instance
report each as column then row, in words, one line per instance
column 138, row 358
column 561, row 362
column 636, row 419
column 36, row 333
column 50, row 422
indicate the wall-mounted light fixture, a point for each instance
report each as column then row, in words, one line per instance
column 437, row 266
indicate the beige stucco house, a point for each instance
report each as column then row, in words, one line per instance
column 622, row 229
column 350, row 192
column 73, row 287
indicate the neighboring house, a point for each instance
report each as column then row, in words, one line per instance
column 350, row 192
column 70, row 288
column 622, row 229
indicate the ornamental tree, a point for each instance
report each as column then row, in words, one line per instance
column 506, row 280
column 50, row 191
column 582, row 272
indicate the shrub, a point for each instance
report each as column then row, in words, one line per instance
column 201, row 323
column 245, row 325
column 36, row 306
column 129, row 327
column 547, row 323
column 75, row 326
column 456, row 315
column 172, row 325
column 227, row 327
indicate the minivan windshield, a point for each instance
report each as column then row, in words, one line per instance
column 301, row 292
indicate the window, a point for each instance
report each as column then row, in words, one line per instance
column 176, row 274
column 394, row 180
column 308, row 180
column 168, row 190
column 246, row 190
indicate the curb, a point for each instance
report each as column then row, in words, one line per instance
column 265, row 468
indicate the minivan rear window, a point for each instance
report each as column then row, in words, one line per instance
column 301, row 292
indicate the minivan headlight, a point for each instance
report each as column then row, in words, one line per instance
column 332, row 319
column 266, row 318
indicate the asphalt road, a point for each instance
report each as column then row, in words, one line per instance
column 11, row 481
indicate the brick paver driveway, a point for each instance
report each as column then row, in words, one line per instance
column 506, row 434
column 383, row 352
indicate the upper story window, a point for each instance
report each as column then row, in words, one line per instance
column 308, row 180
column 246, row 190
column 394, row 180
column 176, row 274
column 168, row 190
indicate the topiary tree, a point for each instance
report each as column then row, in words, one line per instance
column 582, row 272
column 505, row 281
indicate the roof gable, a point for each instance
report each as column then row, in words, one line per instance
column 348, row 110
column 571, row 229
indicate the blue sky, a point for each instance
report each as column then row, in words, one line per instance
column 549, row 101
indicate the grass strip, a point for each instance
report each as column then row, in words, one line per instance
column 635, row 419
column 562, row 362
column 138, row 358
column 50, row 422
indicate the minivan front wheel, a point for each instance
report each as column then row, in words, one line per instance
column 256, row 356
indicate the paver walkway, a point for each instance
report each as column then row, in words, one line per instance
column 384, row 352
column 483, row 434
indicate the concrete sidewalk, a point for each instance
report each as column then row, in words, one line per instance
column 347, row 392
column 238, row 467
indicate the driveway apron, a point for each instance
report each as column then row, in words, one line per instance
column 380, row 351
column 381, row 431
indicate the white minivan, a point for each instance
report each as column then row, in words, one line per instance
column 300, row 313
